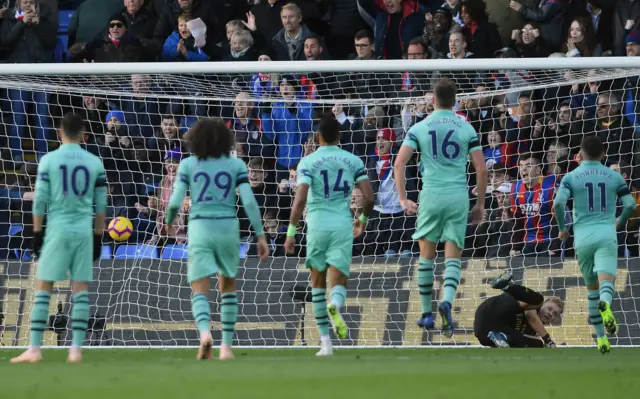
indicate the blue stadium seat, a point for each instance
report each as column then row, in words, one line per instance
column 105, row 252
column 64, row 18
column 61, row 53
column 177, row 251
column 14, row 229
column 136, row 252
column 243, row 250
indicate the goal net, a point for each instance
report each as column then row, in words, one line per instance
column 530, row 114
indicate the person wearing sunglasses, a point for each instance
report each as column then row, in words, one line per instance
column 117, row 45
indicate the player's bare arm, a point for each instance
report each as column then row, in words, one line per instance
column 402, row 159
column 369, row 201
column 302, row 191
column 477, row 212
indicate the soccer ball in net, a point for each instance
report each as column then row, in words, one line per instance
column 120, row 228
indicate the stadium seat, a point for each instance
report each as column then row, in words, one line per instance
column 62, row 46
column 136, row 252
column 14, row 229
column 64, row 18
column 177, row 251
column 243, row 250
column 105, row 252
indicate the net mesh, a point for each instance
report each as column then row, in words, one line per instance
column 140, row 295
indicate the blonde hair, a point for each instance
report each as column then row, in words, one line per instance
column 558, row 302
column 235, row 24
column 184, row 17
column 244, row 37
column 292, row 7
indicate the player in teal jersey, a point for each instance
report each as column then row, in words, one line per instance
column 327, row 178
column 445, row 140
column 70, row 182
column 595, row 189
column 212, row 175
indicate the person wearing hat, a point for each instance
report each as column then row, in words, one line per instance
column 633, row 43
column 117, row 45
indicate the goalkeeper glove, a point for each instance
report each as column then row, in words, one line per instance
column 97, row 246
column 38, row 240
column 548, row 342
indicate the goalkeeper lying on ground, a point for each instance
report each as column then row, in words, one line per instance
column 516, row 318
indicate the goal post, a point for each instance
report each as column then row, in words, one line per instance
column 136, row 114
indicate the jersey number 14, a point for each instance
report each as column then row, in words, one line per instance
column 339, row 186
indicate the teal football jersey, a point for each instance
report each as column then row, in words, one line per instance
column 70, row 180
column 331, row 174
column 212, row 183
column 444, row 140
column 595, row 189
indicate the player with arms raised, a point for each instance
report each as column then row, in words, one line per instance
column 70, row 181
column 445, row 140
column 327, row 177
column 213, row 177
column 595, row 189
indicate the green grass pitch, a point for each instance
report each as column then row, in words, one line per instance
column 356, row 373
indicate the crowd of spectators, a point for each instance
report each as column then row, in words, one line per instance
column 530, row 136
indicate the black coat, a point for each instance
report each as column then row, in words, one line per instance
column 129, row 49
column 142, row 25
column 485, row 41
column 25, row 43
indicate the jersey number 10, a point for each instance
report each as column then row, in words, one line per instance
column 339, row 186
column 71, row 179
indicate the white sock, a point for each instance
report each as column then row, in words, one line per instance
column 325, row 340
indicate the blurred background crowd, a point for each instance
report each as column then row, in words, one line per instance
column 530, row 136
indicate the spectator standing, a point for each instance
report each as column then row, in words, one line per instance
column 392, row 228
column 268, row 17
column 248, row 129
column 344, row 23
column 484, row 36
column 414, row 83
column 549, row 15
column 203, row 9
column 581, row 40
column 628, row 235
column 397, row 22
column 141, row 110
column 602, row 20
column 264, row 190
column 531, row 202
column 90, row 20
column 117, row 45
column 288, row 43
column 454, row 7
column 180, row 45
column 437, row 32
column 140, row 20
column 625, row 15
column 528, row 44
column 29, row 37
column 167, row 138
column 289, row 126
column 364, row 85
column 614, row 130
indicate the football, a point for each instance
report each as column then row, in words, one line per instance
column 120, row 228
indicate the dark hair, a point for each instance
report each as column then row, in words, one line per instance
column 329, row 128
column 592, row 147
column 72, row 125
column 210, row 138
column 294, row 166
column 364, row 34
column 420, row 42
column 445, row 93
column 477, row 10
column 317, row 38
column 256, row 163
column 171, row 116
column 527, row 156
column 589, row 43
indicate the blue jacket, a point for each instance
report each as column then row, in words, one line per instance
column 411, row 26
column 170, row 50
column 289, row 130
